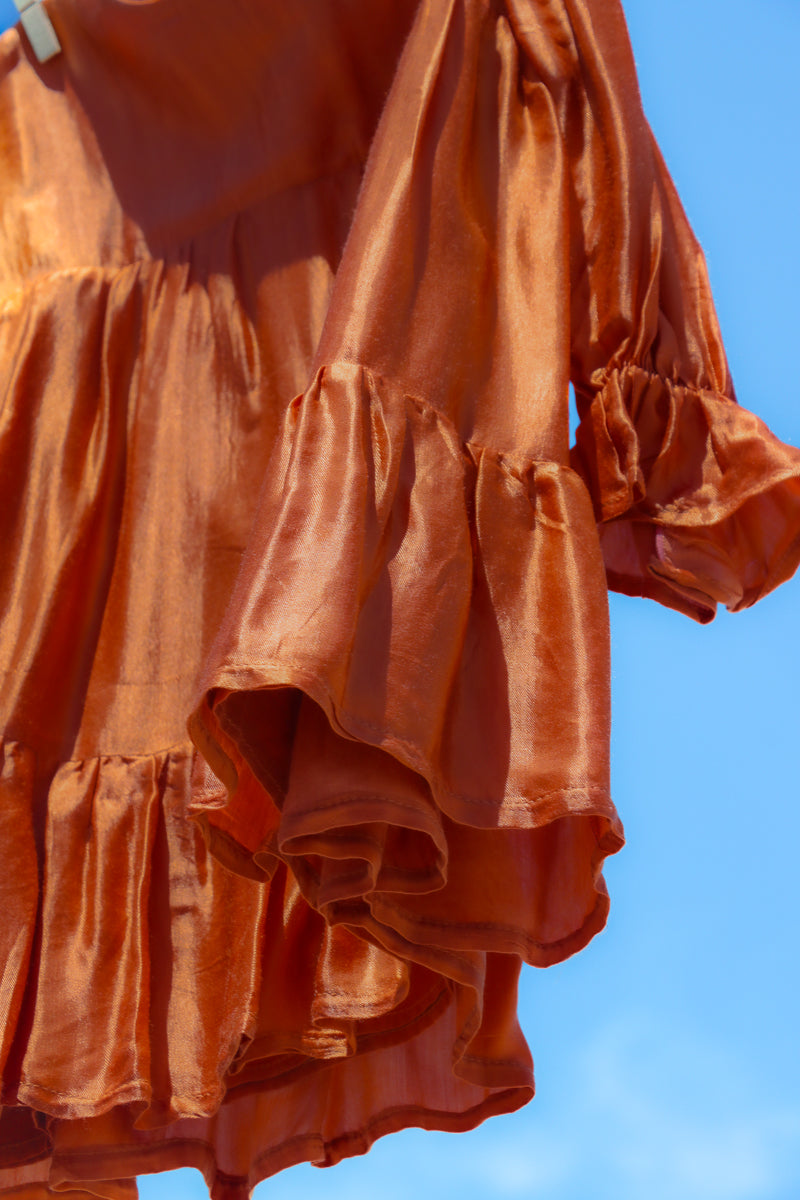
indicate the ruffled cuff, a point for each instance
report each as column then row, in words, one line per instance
column 410, row 690
column 699, row 501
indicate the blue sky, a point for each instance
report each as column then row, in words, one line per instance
column 667, row 1053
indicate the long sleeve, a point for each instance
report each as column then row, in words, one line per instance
column 698, row 502
column 409, row 691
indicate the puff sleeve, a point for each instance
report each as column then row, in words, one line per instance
column 698, row 502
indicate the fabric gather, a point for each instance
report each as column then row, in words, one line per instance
column 350, row 850
column 698, row 498
column 396, row 571
column 175, row 1076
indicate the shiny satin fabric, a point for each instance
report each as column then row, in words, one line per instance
column 290, row 299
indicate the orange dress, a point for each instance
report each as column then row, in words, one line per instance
column 290, row 300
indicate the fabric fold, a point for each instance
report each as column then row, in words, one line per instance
column 339, row 1111
column 135, row 950
column 370, row 707
column 19, row 887
column 172, row 999
column 699, row 501
column 385, row 600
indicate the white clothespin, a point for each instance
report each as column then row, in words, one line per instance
column 39, row 28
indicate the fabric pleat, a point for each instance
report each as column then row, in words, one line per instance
column 142, row 934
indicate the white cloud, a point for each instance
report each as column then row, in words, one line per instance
column 712, row 1140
